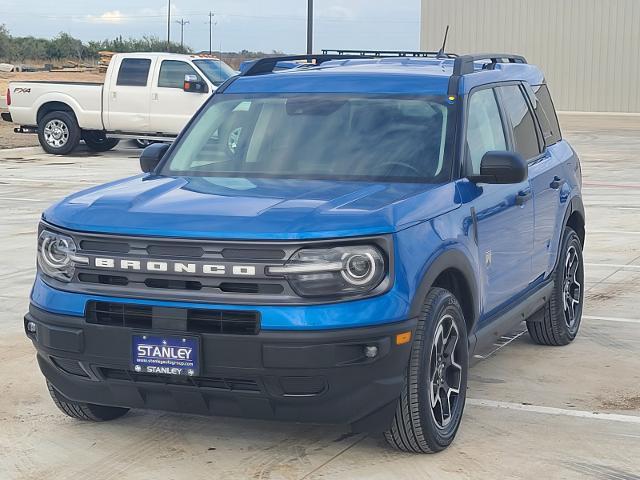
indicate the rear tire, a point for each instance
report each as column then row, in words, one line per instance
column 58, row 132
column 85, row 411
column 98, row 141
column 562, row 314
column 437, row 373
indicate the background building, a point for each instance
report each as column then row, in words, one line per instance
column 588, row 49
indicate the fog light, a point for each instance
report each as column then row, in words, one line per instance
column 31, row 327
column 370, row 351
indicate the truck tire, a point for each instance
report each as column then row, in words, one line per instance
column 58, row 132
column 437, row 373
column 98, row 141
column 85, row 411
column 562, row 314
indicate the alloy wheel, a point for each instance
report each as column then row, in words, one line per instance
column 572, row 288
column 445, row 372
column 56, row 133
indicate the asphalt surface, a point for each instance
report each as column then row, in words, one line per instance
column 533, row 412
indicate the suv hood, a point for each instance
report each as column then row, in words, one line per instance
column 241, row 208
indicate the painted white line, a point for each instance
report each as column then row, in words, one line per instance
column 17, row 199
column 612, row 417
column 623, row 266
column 612, row 319
column 613, row 232
column 46, row 180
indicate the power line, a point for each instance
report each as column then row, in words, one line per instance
column 169, row 27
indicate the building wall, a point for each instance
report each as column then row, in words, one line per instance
column 588, row 49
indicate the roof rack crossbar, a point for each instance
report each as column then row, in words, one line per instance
column 465, row 64
column 388, row 53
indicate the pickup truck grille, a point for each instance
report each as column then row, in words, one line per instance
column 182, row 270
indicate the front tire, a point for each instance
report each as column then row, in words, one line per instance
column 430, row 407
column 88, row 412
column 98, row 141
column 562, row 314
column 59, row 133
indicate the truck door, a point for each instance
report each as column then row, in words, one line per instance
column 171, row 106
column 127, row 97
column 548, row 180
column 503, row 213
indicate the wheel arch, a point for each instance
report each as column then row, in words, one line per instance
column 453, row 271
column 574, row 218
column 54, row 106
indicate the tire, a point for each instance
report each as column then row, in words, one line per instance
column 417, row 426
column 142, row 143
column 85, row 411
column 58, row 132
column 562, row 314
column 98, row 141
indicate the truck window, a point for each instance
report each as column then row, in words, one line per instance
column 484, row 128
column 524, row 128
column 134, row 72
column 546, row 113
column 172, row 73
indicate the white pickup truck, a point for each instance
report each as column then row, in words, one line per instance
column 147, row 96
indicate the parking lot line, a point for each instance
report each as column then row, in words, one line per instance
column 611, row 319
column 613, row 417
column 622, row 266
column 613, row 232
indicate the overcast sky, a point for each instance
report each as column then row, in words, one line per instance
column 240, row 24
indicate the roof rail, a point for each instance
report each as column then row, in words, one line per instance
column 268, row 64
column 464, row 64
column 388, row 53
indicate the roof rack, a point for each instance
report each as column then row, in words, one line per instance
column 268, row 64
column 388, row 53
column 464, row 65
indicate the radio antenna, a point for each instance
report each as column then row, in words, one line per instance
column 441, row 53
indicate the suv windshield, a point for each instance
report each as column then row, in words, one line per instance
column 318, row 136
column 215, row 70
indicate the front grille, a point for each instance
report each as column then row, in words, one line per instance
column 197, row 320
column 216, row 383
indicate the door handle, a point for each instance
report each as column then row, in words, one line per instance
column 557, row 182
column 523, row 197
column 113, row 95
column 154, row 96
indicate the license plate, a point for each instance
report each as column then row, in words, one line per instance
column 166, row 355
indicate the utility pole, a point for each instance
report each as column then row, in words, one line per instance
column 211, row 15
column 182, row 22
column 309, row 27
column 169, row 27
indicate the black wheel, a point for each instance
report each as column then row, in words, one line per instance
column 563, row 312
column 142, row 143
column 85, row 411
column 98, row 141
column 432, row 401
column 58, row 132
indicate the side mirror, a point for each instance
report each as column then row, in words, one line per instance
column 501, row 167
column 194, row 84
column 151, row 156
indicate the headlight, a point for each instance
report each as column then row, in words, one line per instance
column 316, row 272
column 57, row 255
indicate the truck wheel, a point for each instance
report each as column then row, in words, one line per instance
column 85, row 411
column 432, row 401
column 58, row 133
column 98, row 141
column 562, row 314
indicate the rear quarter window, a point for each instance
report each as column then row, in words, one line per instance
column 546, row 113
column 134, row 72
column 525, row 135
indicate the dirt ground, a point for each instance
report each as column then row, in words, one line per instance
column 8, row 139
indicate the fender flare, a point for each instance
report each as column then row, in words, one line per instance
column 450, row 258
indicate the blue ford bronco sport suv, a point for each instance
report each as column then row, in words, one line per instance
column 330, row 243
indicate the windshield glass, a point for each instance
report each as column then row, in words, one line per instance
column 215, row 70
column 318, row 136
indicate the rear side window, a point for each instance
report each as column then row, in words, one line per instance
column 134, row 72
column 172, row 73
column 484, row 128
column 546, row 113
column 525, row 135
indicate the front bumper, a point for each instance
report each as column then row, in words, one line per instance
column 320, row 376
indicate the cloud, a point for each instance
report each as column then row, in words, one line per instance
column 114, row 16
